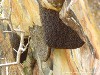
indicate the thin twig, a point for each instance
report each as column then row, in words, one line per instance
column 8, row 64
column 4, row 19
column 19, row 52
column 7, row 31
column 6, row 67
column 21, row 49
column 15, row 50
column 10, row 22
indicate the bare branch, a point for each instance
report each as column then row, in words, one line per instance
column 15, row 50
column 19, row 52
column 6, row 67
column 8, row 64
column 25, row 47
column 7, row 31
column 20, row 49
column 10, row 23
column 1, row 19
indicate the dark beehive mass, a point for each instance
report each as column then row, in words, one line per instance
column 57, row 34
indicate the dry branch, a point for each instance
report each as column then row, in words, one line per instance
column 21, row 48
column 19, row 52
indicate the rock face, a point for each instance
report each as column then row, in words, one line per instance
column 57, row 34
column 56, row 3
column 20, row 10
column 39, row 47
